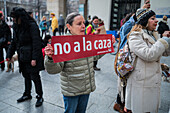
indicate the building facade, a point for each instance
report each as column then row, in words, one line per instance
column 38, row 7
column 112, row 11
column 56, row 6
column 67, row 6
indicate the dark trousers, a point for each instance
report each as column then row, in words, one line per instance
column 54, row 33
column 43, row 32
column 35, row 77
column 95, row 63
column 61, row 30
column 2, row 56
column 118, row 99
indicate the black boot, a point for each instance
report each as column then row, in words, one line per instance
column 96, row 69
column 39, row 101
column 24, row 98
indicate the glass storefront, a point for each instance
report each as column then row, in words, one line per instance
column 119, row 9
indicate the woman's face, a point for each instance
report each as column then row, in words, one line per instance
column 96, row 21
column 77, row 27
column 44, row 18
column 152, row 23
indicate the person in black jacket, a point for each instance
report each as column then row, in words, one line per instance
column 163, row 26
column 4, row 33
column 27, row 42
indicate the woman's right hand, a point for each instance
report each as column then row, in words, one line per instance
column 166, row 34
column 49, row 50
column 97, row 31
column 8, row 59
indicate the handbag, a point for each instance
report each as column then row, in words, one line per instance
column 125, row 64
column 3, row 41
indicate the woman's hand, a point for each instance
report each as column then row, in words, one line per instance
column 8, row 59
column 113, row 39
column 49, row 50
column 146, row 5
column 166, row 34
column 97, row 31
column 9, row 43
column 33, row 62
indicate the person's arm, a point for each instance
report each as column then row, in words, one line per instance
column 36, row 41
column 146, row 5
column 40, row 26
column 89, row 30
column 50, row 66
column 55, row 23
column 166, row 36
column 12, row 47
column 8, row 33
column 139, row 47
column 125, row 29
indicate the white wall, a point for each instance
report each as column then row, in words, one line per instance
column 53, row 7
column 160, row 7
column 102, row 9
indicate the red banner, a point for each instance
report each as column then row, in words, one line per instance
column 80, row 46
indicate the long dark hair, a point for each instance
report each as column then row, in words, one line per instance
column 18, row 12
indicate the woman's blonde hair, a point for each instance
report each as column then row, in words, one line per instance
column 43, row 18
column 137, row 27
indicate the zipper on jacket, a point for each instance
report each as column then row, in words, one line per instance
column 89, row 73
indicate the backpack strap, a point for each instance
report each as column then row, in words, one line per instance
column 134, row 61
column 115, row 62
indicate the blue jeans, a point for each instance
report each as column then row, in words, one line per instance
column 75, row 104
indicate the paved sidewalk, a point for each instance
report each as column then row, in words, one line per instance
column 101, row 100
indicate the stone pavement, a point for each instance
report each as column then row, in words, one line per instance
column 101, row 100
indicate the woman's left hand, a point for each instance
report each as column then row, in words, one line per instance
column 33, row 62
column 113, row 39
column 166, row 34
column 49, row 50
column 9, row 43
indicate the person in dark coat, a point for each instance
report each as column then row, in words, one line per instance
column 27, row 42
column 61, row 23
column 5, row 32
column 163, row 26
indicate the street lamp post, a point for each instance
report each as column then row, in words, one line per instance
column 38, row 4
column 5, row 9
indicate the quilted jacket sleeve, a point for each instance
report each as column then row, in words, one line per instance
column 53, row 68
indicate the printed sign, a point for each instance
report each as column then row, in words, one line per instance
column 80, row 46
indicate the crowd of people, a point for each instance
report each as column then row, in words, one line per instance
column 139, row 93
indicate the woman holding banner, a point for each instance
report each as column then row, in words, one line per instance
column 77, row 76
